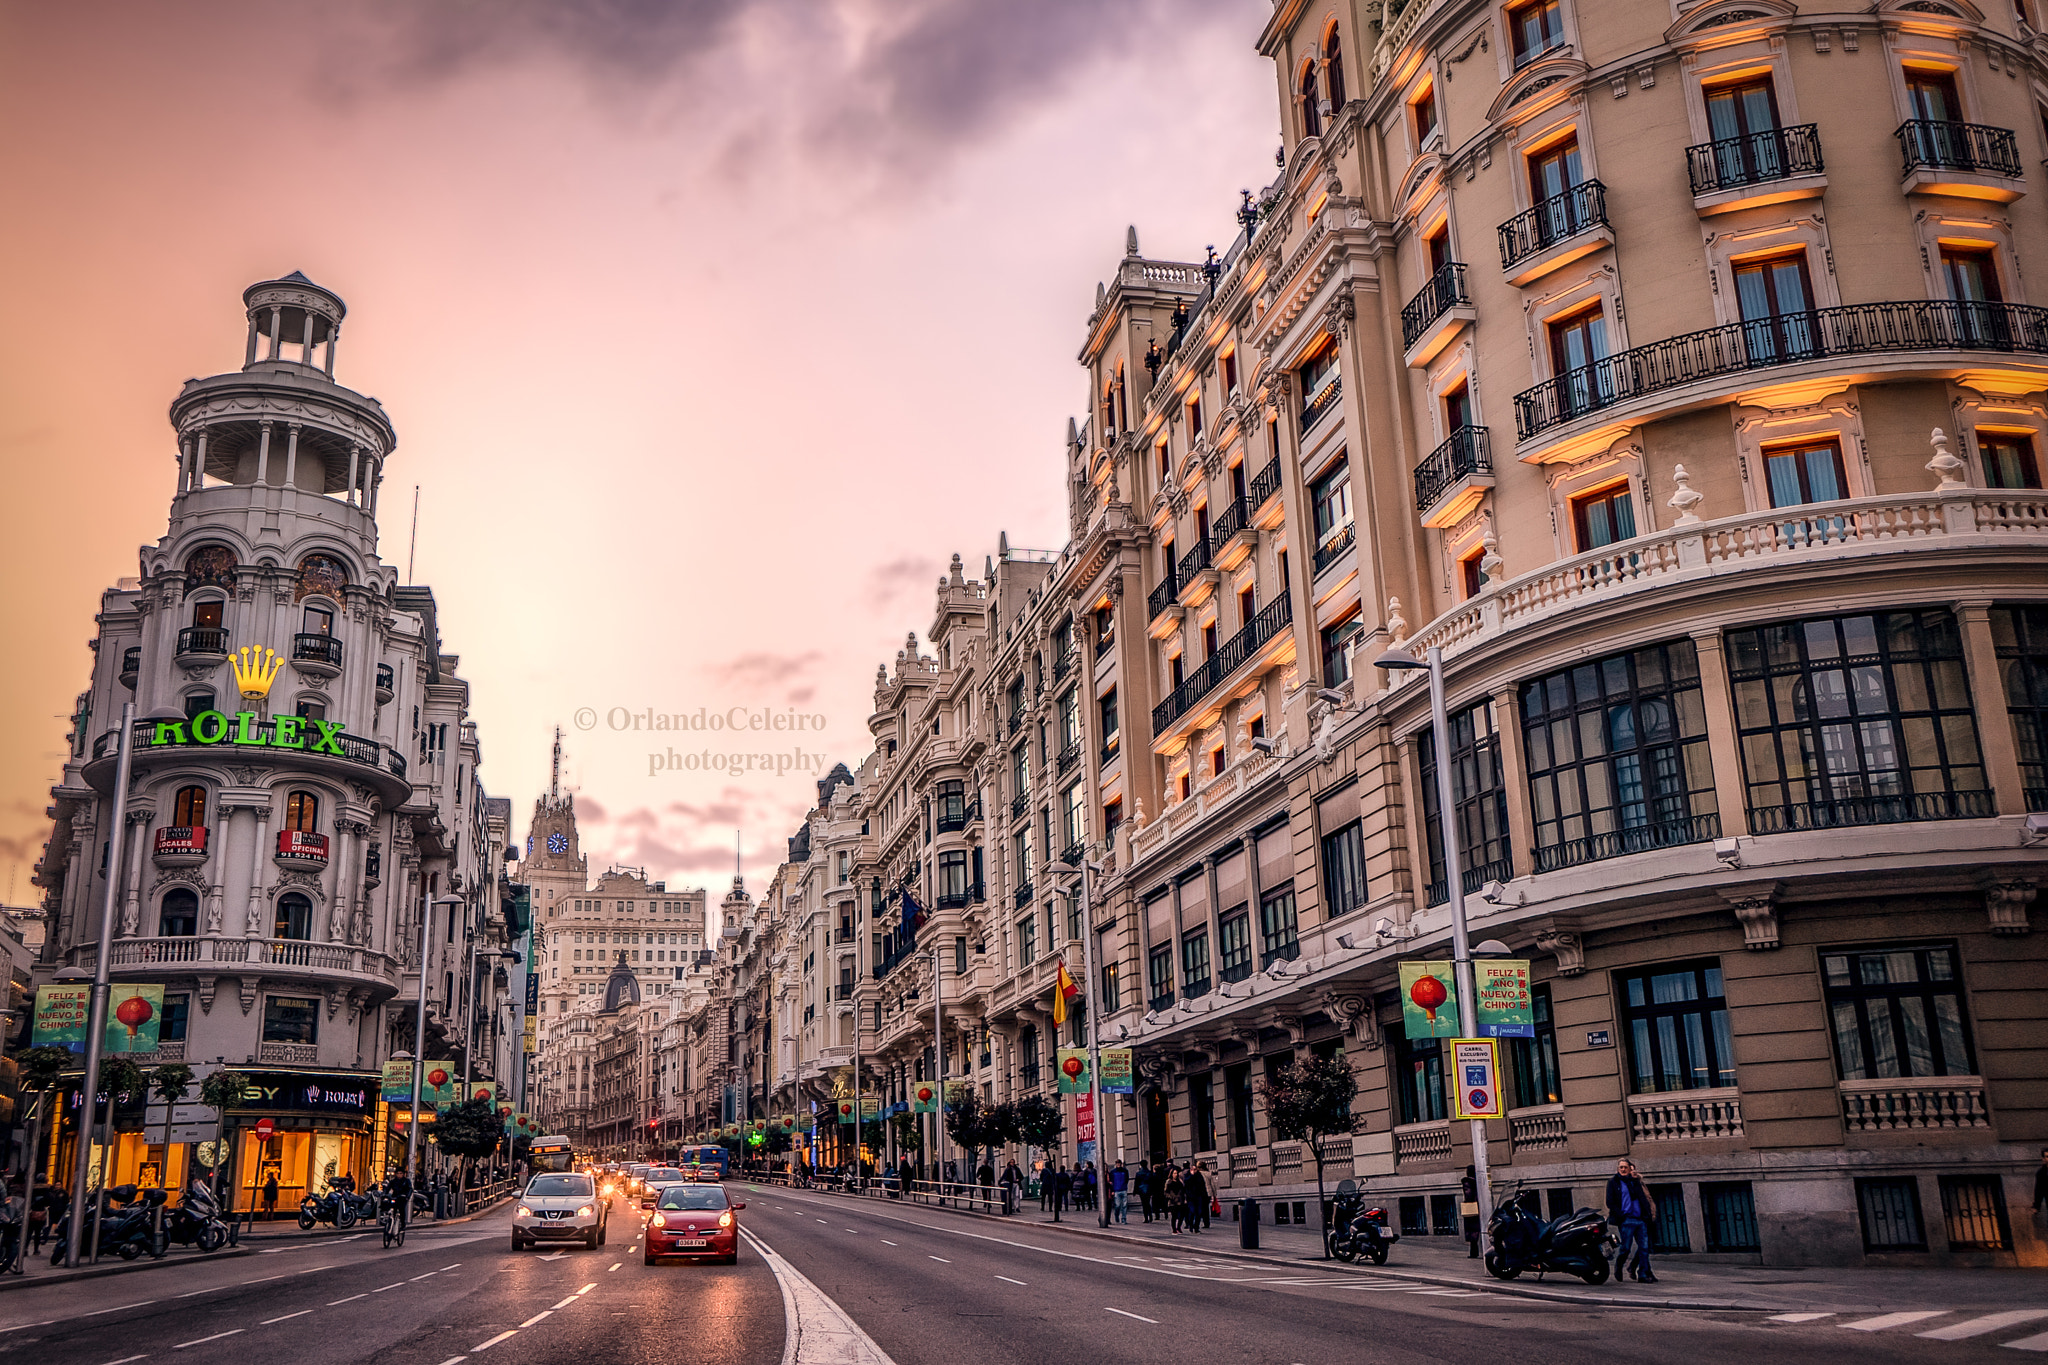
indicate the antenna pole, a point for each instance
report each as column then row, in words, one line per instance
column 414, row 544
column 555, row 777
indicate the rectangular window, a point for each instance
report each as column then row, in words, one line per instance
column 1330, row 497
column 1112, row 995
column 2021, row 637
column 291, row 1019
column 1676, row 1024
column 1973, row 1210
column 1027, row 940
column 1105, row 707
column 1194, row 964
column 1729, row 1210
column 1536, row 28
column 1856, row 720
column 1160, row 970
column 1070, row 718
column 1601, row 518
column 1537, row 1078
column 1891, row 1214
column 953, row 879
column 1235, row 933
column 1577, row 346
column 1777, row 308
column 1743, row 121
column 1933, row 95
column 1617, row 756
column 1482, row 804
column 1336, row 648
column 177, row 1009
column 1669, row 1234
column 1424, row 107
column 2008, row 460
column 1074, row 817
column 1229, row 362
column 1344, row 869
column 1800, row 474
column 1237, row 1086
column 1896, row 1012
column 1419, row 1077
column 1279, row 936
column 1202, row 1111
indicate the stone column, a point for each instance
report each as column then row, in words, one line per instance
column 256, row 925
column 276, row 333
column 263, row 454
column 333, row 340
column 355, row 455
column 1253, row 896
column 249, row 357
column 131, row 872
column 291, row 456
column 1987, row 699
column 338, row 912
column 306, row 344
column 1514, row 777
column 1215, row 925
column 1723, row 743
column 184, row 465
column 199, row 462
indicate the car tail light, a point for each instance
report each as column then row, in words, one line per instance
column 725, row 1219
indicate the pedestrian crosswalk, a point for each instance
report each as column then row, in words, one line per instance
column 1962, row 1325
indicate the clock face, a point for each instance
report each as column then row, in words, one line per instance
column 558, row 842
column 529, row 845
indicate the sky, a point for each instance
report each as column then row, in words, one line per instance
column 710, row 331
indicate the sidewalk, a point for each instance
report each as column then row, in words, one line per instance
column 1682, row 1283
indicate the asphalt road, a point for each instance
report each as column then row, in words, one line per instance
column 926, row 1288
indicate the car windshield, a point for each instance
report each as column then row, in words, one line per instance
column 567, row 1186
column 693, row 1197
column 663, row 1174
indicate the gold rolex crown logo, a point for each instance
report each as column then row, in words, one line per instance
column 254, row 670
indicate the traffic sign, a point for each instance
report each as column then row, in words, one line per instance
column 264, row 1128
column 1475, row 1078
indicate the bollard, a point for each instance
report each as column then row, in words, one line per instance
column 1248, row 1224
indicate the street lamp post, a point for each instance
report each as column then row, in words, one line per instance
column 1094, row 1027
column 1398, row 658
column 938, row 1070
column 419, row 1045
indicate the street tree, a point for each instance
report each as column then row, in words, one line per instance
column 469, row 1130
column 967, row 1124
column 1309, row 1101
column 1039, row 1121
column 171, row 1083
column 221, row 1092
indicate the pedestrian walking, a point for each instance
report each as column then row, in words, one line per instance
column 1062, row 1188
column 985, row 1177
column 1013, row 1187
column 270, row 1195
column 1093, row 1191
column 1176, row 1199
column 1631, row 1210
column 1146, row 1183
column 1468, row 1194
column 1120, row 1193
column 1196, row 1189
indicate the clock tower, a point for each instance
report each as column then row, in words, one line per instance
column 553, row 864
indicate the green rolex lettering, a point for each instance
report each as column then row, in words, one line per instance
column 169, row 732
column 209, row 727
column 330, row 731
column 245, row 729
column 287, row 733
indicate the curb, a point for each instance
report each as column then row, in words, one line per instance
column 1593, row 1297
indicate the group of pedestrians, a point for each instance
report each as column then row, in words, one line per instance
column 1064, row 1187
column 1182, row 1193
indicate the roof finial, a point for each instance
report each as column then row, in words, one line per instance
column 555, row 775
column 1131, row 240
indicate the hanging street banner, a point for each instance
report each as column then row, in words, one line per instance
column 1475, row 1078
column 61, row 1013
column 924, row 1097
column 440, row 1085
column 1117, row 1077
column 871, row 1107
column 135, row 1015
column 1504, row 1010
column 1429, row 1001
column 1073, row 1070
column 845, row 1110
column 956, row 1091
column 397, row 1081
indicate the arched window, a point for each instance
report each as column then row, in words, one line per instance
column 302, row 812
column 190, row 807
column 195, row 702
column 1311, row 115
column 294, row 917
column 1333, row 71
column 180, row 914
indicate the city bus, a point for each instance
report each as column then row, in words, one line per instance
column 702, row 1163
column 549, row 1154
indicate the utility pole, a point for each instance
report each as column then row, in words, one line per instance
column 96, row 1013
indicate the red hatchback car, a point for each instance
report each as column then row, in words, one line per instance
column 694, row 1220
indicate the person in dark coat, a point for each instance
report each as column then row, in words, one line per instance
column 2041, row 1190
column 1631, row 1210
column 1062, row 1188
column 1146, row 1183
column 1468, row 1191
column 1195, row 1187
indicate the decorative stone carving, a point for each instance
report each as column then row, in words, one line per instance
column 1568, row 948
column 2006, row 901
column 1757, row 908
column 1491, row 566
column 1687, row 499
column 1945, row 465
column 249, row 985
column 1397, row 624
column 205, row 993
column 1354, row 1014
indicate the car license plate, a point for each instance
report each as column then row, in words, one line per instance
column 693, row 1241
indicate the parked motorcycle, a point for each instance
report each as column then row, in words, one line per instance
column 337, row 1206
column 1575, row 1244
column 196, row 1221
column 365, row 1203
column 131, row 1230
column 1361, row 1229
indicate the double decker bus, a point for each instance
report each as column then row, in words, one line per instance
column 703, row 1163
column 550, row 1154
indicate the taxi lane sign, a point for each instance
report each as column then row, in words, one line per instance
column 1475, row 1075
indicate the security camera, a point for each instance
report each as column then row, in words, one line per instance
column 1265, row 744
column 2036, row 828
column 1728, row 852
column 1383, row 929
column 1347, row 942
column 1330, row 695
column 1493, row 893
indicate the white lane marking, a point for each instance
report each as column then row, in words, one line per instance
column 1990, row 1322
column 97, row 1311
column 817, row 1328
column 316, row 1269
column 528, row 1323
column 1878, row 1324
column 1800, row 1317
column 885, row 1241
column 1153, row 1321
column 124, row 1360
column 338, row 1302
column 556, row 1257
column 452, row 1359
column 932, row 1258
column 614, row 1266
column 1445, row 1293
column 450, row 1266
column 415, row 1279
column 260, row 1280
column 2037, row 1342
column 584, row 1290
column 487, row 1345
column 399, row 1285
column 285, row 1318
column 1004, row 1278
column 201, row 1341
column 563, row 1304
column 820, row 1220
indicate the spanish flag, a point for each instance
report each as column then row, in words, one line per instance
column 1063, row 990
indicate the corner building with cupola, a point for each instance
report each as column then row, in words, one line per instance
column 305, row 777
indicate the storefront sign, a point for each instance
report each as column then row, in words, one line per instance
column 61, row 1016
column 305, row 1092
column 309, row 733
column 1073, row 1070
column 1117, row 1077
column 1504, row 1010
column 1429, row 1002
column 1475, row 1078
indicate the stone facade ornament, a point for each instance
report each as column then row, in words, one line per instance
column 1945, row 465
column 1566, row 947
column 2006, row 901
column 1397, row 624
column 1687, row 499
column 1491, row 566
column 1757, row 909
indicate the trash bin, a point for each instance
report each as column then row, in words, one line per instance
column 1248, row 1224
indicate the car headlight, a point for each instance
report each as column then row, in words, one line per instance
column 725, row 1219
column 585, row 1211
column 524, row 1212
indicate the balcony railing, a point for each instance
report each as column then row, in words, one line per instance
column 952, row 900
column 1426, row 1141
column 1264, row 485
column 386, row 680
column 262, row 733
column 316, row 649
column 1736, row 347
column 1499, row 870
column 1063, row 665
column 1069, row 756
column 1925, row 143
column 1921, row 1104
column 1024, row 895
column 1581, row 208
column 1318, row 405
column 1539, row 1129
column 952, row 822
column 293, row 1054
column 1696, row 829
column 1754, row 158
column 1681, row 1115
column 1198, row 558
column 1161, row 597
column 1018, row 804
column 177, row 950
column 202, row 640
column 1445, row 291
column 1233, row 655
column 1109, row 750
column 1234, row 518
column 1461, row 456
column 1871, row 810
column 131, row 663
column 1332, row 549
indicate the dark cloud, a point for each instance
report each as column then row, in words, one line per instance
column 587, row 808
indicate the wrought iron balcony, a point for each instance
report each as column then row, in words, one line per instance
column 131, row 664
column 1018, row 804
column 1871, row 810
column 1754, row 158
column 1069, row 756
column 952, row 900
column 1062, row 665
column 1925, row 143
column 1579, row 209
column 1264, row 485
column 1499, row 870
column 1445, row 290
column 1233, row 519
column 204, row 640
column 952, row 822
column 1233, row 655
column 1199, row 557
column 1461, row 456
column 322, row 651
column 1737, row 347
column 1318, row 405
column 1332, row 549
column 1161, row 597
column 1694, row 829
column 386, row 681
column 1024, row 895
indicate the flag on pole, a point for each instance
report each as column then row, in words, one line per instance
column 1063, row 990
column 913, row 915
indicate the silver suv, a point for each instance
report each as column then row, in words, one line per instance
column 559, row 1207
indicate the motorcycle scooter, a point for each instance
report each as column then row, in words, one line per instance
column 1574, row 1244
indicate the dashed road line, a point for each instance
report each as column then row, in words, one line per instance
column 614, row 1266
column 1004, row 1278
column 563, row 1304
column 399, row 1285
column 1800, row 1317
column 941, row 1259
column 285, row 1318
column 316, row 1269
column 338, row 1302
column 487, row 1345
column 97, row 1311
column 530, row 1321
column 414, row 1280
column 263, row 1279
column 885, row 1241
column 125, row 1359
column 2033, row 1343
column 201, row 1341
column 1153, row 1321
